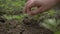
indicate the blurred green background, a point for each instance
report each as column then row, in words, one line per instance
column 12, row 9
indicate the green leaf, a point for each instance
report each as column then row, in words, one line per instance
column 57, row 32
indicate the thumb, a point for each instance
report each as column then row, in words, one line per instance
column 28, row 6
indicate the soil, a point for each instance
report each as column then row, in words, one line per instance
column 16, row 27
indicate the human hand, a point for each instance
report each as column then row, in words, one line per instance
column 43, row 5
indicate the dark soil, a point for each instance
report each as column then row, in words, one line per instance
column 16, row 27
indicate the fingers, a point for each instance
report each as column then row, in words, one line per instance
column 25, row 8
column 28, row 6
column 39, row 10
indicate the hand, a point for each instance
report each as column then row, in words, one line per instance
column 43, row 5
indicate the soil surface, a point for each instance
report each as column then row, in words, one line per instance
column 16, row 27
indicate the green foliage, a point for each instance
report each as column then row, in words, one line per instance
column 57, row 32
column 17, row 17
column 50, row 23
column 12, row 7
